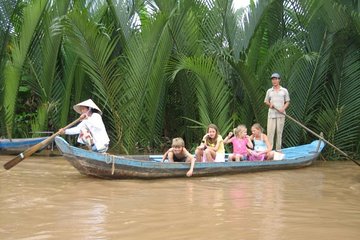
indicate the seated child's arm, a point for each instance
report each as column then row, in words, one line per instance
column 228, row 137
column 269, row 147
column 202, row 144
column 249, row 143
column 166, row 153
column 191, row 159
column 218, row 144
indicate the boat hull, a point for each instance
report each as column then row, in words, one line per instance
column 17, row 145
column 149, row 166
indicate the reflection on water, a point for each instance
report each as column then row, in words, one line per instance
column 45, row 198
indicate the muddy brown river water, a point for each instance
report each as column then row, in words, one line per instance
column 46, row 198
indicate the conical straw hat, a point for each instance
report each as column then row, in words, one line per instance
column 88, row 103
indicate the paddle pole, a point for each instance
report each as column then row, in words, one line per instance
column 28, row 152
column 319, row 136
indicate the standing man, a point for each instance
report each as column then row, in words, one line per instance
column 276, row 97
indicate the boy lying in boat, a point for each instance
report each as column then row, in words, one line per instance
column 178, row 153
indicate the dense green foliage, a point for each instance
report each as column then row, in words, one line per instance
column 166, row 68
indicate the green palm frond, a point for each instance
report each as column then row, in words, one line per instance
column 147, row 54
column 310, row 73
column 94, row 48
column 62, row 91
column 13, row 70
column 8, row 9
column 210, row 24
column 341, row 103
column 134, row 91
column 43, row 65
column 123, row 14
column 158, row 54
column 212, row 91
column 181, row 97
column 306, row 90
column 185, row 32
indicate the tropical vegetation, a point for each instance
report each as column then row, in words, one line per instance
column 166, row 68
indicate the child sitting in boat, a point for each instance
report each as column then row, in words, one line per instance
column 240, row 141
column 262, row 147
column 178, row 153
column 211, row 148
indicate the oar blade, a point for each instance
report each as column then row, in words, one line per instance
column 14, row 161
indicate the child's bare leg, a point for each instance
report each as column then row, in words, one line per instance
column 209, row 155
column 270, row 155
column 213, row 155
column 237, row 157
column 199, row 153
column 231, row 157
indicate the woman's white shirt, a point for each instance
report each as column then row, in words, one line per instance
column 95, row 125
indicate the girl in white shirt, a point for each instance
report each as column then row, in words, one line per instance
column 91, row 130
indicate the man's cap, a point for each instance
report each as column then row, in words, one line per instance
column 275, row 75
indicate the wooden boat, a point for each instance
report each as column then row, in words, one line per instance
column 17, row 145
column 150, row 166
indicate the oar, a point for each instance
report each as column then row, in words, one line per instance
column 319, row 136
column 28, row 152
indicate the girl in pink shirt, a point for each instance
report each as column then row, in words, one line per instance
column 240, row 141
